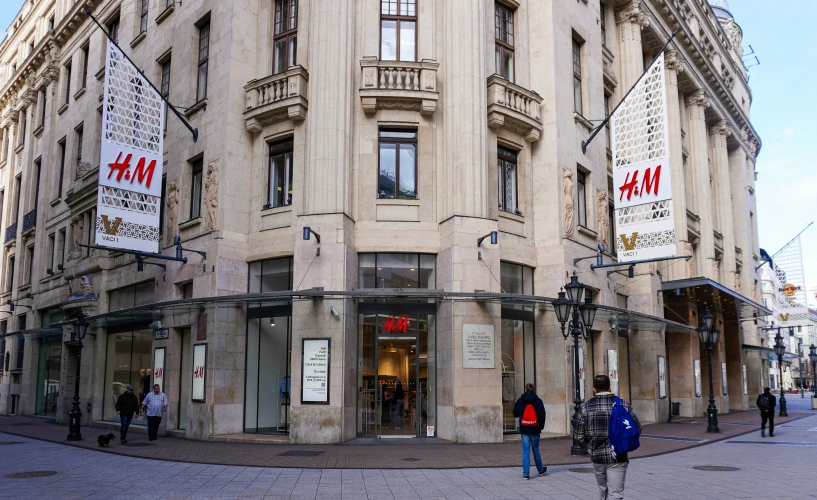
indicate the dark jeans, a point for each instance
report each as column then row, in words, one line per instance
column 764, row 416
column 153, row 426
column 124, row 421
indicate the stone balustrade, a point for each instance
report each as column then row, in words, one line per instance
column 276, row 98
column 514, row 108
column 410, row 86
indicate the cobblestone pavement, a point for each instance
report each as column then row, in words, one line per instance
column 764, row 465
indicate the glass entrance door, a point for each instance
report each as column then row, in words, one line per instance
column 48, row 376
column 397, row 381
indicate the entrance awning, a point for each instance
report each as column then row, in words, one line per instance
column 768, row 352
column 35, row 332
column 144, row 315
column 708, row 288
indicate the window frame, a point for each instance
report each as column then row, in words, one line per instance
column 280, row 149
column 196, row 171
column 28, row 265
column 287, row 34
column 62, row 144
column 10, row 276
column 165, row 70
column 611, row 221
column 86, row 51
column 603, row 23
column 43, row 103
column 504, row 158
column 576, row 58
column 21, row 129
column 397, row 141
column 37, row 171
column 398, row 19
column 203, row 61
column 608, row 136
column 114, row 28
column 143, row 17
column 78, row 137
column 67, row 84
column 581, row 198
column 501, row 45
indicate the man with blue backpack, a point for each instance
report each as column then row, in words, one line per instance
column 608, row 429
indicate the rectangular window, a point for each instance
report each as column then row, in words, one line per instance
column 398, row 30
column 143, row 17
column 18, row 186
column 67, row 85
column 78, row 132
column 581, row 198
column 50, row 251
column 280, row 174
column 85, row 50
column 21, row 135
column 603, row 23
column 6, row 141
column 61, row 151
column 396, row 270
column 10, row 274
column 43, row 102
column 2, row 204
column 113, row 29
column 37, row 170
column 577, row 76
column 204, row 57
column 195, row 190
column 51, row 23
column 398, row 164
column 166, row 85
column 29, row 264
column 61, row 248
column 162, row 206
column 611, row 214
column 285, row 40
column 503, row 41
column 506, row 179
column 607, row 125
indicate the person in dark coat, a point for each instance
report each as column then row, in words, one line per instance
column 126, row 406
column 766, row 403
column 531, row 424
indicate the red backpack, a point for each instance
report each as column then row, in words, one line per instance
column 529, row 418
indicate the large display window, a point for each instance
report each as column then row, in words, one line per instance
column 48, row 375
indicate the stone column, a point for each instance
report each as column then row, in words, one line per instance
column 723, row 200
column 740, row 217
column 673, row 66
column 630, row 21
column 696, row 104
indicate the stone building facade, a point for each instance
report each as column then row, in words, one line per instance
column 399, row 132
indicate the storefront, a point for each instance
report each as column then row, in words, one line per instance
column 49, row 363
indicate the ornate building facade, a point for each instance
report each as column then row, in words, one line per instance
column 350, row 156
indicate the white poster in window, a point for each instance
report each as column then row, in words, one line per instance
column 612, row 369
column 130, row 162
column 159, row 367
column 745, row 382
column 698, row 377
column 662, row 377
column 315, row 371
column 477, row 346
column 723, row 378
column 199, row 372
column 581, row 370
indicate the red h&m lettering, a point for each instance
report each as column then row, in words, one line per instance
column 648, row 184
column 144, row 176
column 396, row 324
column 198, row 372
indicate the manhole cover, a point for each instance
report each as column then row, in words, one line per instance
column 33, row 473
column 140, row 444
column 715, row 468
column 11, row 442
column 410, row 459
column 584, row 470
column 300, row 453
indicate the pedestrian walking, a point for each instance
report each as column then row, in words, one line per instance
column 126, row 406
column 399, row 404
column 530, row 411
column 766, row 403
column 593, row 432
column 154, row 405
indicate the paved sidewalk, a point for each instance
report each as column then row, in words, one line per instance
column 656, row 439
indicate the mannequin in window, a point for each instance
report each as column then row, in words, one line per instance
column 399, row 404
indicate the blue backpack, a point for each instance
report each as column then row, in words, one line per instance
column 624, row 433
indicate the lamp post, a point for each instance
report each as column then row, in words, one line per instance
column 74, row 416
column 800, row 359
column 579, row 324
column 812, row 356
column 780, row 349
column 708, row 336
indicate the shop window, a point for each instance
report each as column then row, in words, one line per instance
column 398, row 30
column 285, row 40
column 517, row 345
column 131, row 296
column 396, row 270
column 503, row 41
column 398, row 164
column 128, row 361
column 186, row 378
column 272, row 275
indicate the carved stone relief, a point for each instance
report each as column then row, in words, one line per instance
column 172, row 204
column 688, row 262
column 602, row 218
column 568, row 187
column 211, row 197
column 77, row 228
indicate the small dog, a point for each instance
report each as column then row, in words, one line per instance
column 105, row 439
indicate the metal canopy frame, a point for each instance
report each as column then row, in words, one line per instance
column 698, row 282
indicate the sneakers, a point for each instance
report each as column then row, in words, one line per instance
column 123, row 441
column 542, row 472
column 526, row 477
column 771, row 435
column 763, row 433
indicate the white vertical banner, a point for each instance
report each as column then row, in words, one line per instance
column 199, row 372
column 697, row 375
column 612, row 369
column 130, row 163
column 745, row 382
column 159, row 367
column 662, row 377
column 641, row 170
column 723, row 379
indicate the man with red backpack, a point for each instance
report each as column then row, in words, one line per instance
column 604, row 414
column 530, row 411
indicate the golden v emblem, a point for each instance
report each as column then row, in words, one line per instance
column 111, row 229
column 784, row 316
column 629, row 244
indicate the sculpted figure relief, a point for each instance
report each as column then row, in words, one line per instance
column 716, row 269
column 77, row 227
column 211, row 197
column 688, row 262
column 602, row 218
column 172, row 204
column 568, row 188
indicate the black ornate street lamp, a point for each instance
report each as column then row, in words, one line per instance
column 579, row 326
column 708, row 336
column 75, row 415
column 812, row 356
column 780, row 349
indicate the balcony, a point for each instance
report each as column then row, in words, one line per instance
column 514, row 108
column 276, row 98
column 11, row 233
column 29, row 221
column 402, row 85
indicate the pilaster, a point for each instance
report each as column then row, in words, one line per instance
column 630, row 20
column 696, row 104
column 673, row 65
column 740, row 217
column 723, row 200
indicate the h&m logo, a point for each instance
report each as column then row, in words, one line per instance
column 784, row 316
column 629, row 244
column 111, row 229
